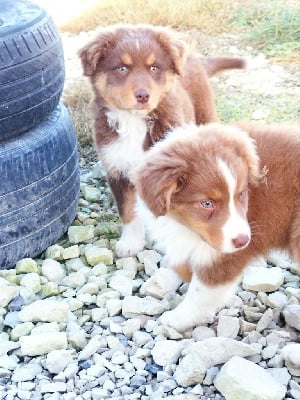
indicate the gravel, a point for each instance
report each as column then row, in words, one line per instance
column 77, row 323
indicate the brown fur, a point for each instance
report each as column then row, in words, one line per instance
column 146, row 69
column 181, row 90
column 177, row 175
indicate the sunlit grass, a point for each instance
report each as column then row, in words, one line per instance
column 273, row 27
column 211, row 16
column 241, row 106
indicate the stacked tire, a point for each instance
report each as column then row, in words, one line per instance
column 39, row 169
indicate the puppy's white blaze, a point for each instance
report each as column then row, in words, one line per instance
column 176, row 241
column 132, row 239
column 127, row 151
column 199, row 304
column 137, row 43
column 235, row 225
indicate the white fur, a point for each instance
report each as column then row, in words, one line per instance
column 132, row 239
column 127, row 151
column 199, row 304
column 235, row 225
column 176, row 241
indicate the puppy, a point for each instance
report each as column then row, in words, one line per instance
column 144, row 84
column 214, row 198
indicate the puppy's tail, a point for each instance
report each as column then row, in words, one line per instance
column 215, row 64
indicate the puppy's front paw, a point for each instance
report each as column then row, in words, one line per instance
column 182, row 320
column 132, row 239
column 125, row 248
column 174, row 320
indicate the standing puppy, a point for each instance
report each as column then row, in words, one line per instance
column 144, row 84
column 216, row 197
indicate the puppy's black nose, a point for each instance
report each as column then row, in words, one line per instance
column 240, row 241
column 142, row 96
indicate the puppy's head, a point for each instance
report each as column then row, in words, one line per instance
column 133, row 66
column 200, row 176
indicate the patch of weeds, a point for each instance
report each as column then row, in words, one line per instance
column 108, row 230
column 274, row 27
column 236, row 107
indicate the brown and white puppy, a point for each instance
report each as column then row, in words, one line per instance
column 144, row 84
column 216, row 197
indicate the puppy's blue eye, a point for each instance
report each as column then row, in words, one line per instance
column 207, row 204
column 122, row 69
column 154, row 68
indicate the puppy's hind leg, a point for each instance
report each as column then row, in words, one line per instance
column 132, row 239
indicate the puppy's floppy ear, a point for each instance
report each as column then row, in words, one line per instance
column 96, row 49
column 158, row 178
column 173, row 46
column 249, row 153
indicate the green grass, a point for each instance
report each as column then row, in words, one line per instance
column 240, row 106
column 273, row 27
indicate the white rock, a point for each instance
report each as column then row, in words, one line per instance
column 91, row 348
column 141, row 338
column 54, row 387
column 75, row 264
column 281, row 375
column 8, row 362
column 74, row 280
column 26, row 372
column 277, row 300
column 71, row 252
column 21, row 330
column 203, row 332
column 228, row 326
column 265, row 320
column 54, row 252
column 190, row 371
column 162, row 282
column 43, row 343
column 98, row 314
column 7, row 346
column 291, row 356
column 130, row 326
column 105, row 295
column 113, row 306
column 119, row 358
column 218, row 350
column 95, row 255
column 31, row 280
column 45, row 328
column 263, row 279
column 78, row 234
column 122, row 284
column 291, row 314
column 128, row 264
column 7, row 293
column 166, row 352
column 45, row 311
column 53, row 270
column 26, row 265
column 167, row 332
column 58, row 360
column 77, row 338
column 149, row 258
column 240, row 379
column 133, row 305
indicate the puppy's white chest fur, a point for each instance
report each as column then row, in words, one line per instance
column 127, row 151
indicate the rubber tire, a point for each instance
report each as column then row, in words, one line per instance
column 32, row 70
column 39, row 188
